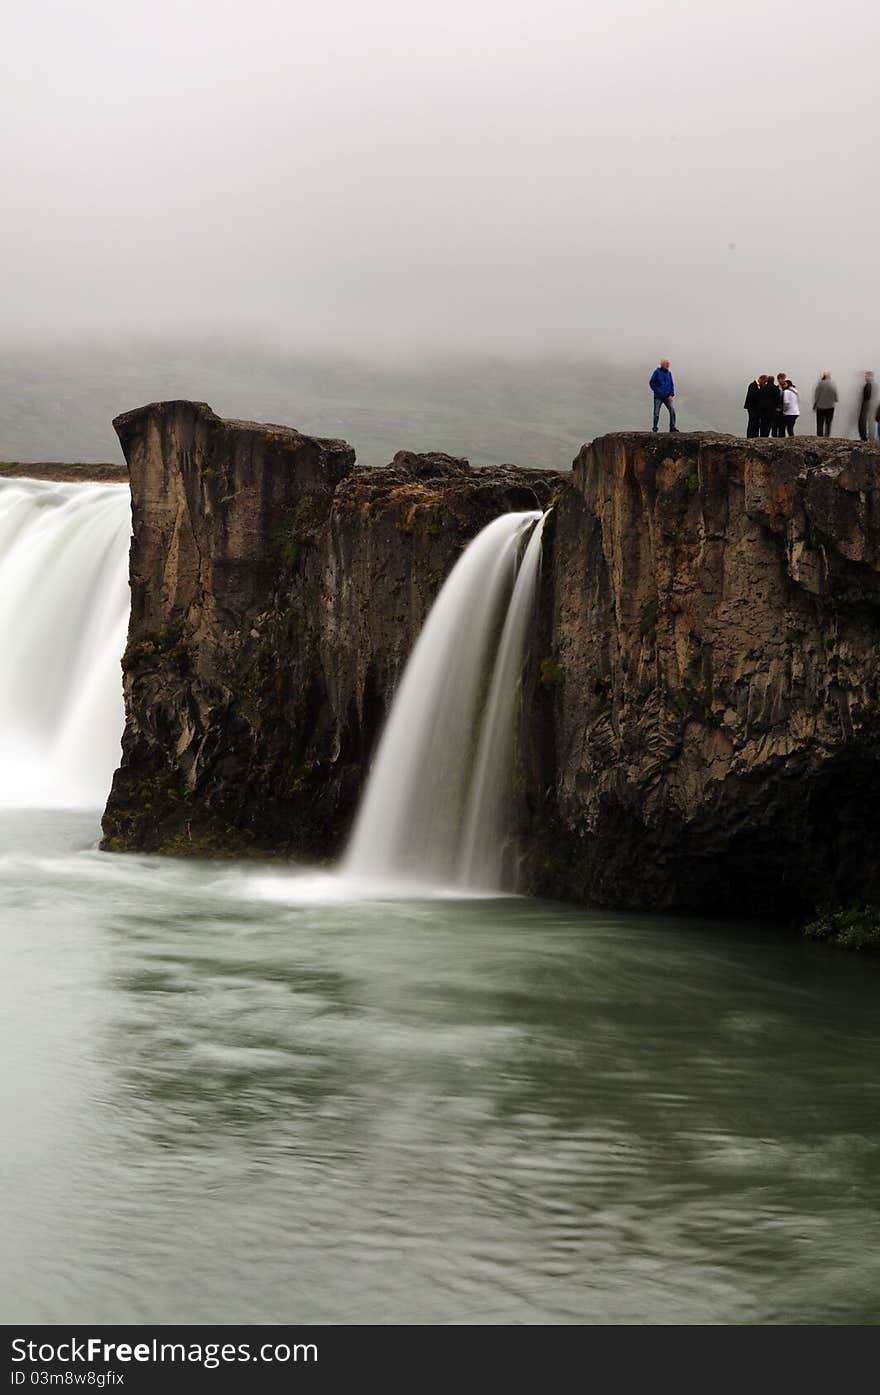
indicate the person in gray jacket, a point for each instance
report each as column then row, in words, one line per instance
column 824, row 402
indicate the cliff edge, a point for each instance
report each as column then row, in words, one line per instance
column 713, row 616
column 277, row 591
column 701, row 727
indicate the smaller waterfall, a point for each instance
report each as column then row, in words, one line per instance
column 64, row 605
column 486, row 816
column 437, row 800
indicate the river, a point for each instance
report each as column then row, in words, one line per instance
column 232, row 1095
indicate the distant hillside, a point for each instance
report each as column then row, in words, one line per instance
column 67, row 471
column 57, row 404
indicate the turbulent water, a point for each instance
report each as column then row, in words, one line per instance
column 64, row 604
column 219, row 1106
column 231, row 1093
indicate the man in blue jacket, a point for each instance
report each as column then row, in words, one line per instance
column 663, row 388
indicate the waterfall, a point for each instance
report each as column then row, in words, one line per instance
column 485, row 819
column 64, row 605
column 436, row 804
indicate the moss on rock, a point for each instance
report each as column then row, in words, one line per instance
column 847, row 927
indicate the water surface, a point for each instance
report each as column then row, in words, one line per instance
column 232, row 1095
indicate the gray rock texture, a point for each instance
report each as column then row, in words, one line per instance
column 701, row 723
column 276, row 594
column 712, row 620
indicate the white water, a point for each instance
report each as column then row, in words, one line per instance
column 436, row 803
column 487, row 810
column 64, row 604
column 435, row 811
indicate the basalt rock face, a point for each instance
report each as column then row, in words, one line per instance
column 277, row 591
column 701, row 725
column 706, row 719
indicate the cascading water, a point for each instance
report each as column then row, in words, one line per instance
column 485, row 819
column 436, row 802
column 64, row 605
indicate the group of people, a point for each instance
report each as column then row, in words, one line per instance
column 773, row 406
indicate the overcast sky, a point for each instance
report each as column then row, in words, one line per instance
column 384, row 176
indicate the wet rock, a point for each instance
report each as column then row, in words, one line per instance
column 714, row 609
column 277, row 591
column 701, row 728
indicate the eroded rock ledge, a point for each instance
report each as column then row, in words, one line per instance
column 713, row 608
column 277, row 591
column 702, row 718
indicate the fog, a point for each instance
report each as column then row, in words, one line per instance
column 395, row 178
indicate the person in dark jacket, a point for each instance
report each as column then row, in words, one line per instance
column 771, row 399
column 752, row 405
column 865, row 406
column 663, row 388
column 778, row 420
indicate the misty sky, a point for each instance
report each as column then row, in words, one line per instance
column 390, row 176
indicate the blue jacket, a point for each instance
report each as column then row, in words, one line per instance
column 661, row 383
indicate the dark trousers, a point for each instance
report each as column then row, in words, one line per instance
column 754, row 424
column 788, row 425
column 863, row 424
column 778, row 424
column 824, row 418
column 668, row 403
column 765, row 424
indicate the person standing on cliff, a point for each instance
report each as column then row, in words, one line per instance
column 770, row 400
column 752, row 405
column 791, row 408
column 824, row 401
column 778, row 422
column 663, row 388
column 865, row 406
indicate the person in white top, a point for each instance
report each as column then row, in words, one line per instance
column 791, row 407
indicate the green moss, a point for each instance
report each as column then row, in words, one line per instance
column 136, row 652
column 550, row 674
column 693, row 482
column 166, row 644
column 143, row 804
column 299, row 531
column 156, row 810
column 648, row 619
column 291, row 553
column 847, row 927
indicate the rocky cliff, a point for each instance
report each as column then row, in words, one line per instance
column 713, row 614
column 276, row 593
column 701, row 725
